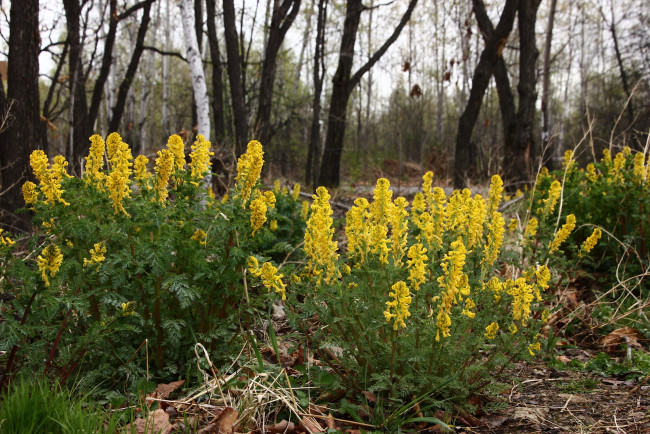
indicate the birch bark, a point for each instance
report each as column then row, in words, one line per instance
column 199, row 86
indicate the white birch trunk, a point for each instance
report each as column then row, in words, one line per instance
column 196, row 67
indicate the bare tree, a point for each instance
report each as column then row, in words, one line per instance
column 25, row 129
column 235, row 76
column 547, row 149
column 344, row 83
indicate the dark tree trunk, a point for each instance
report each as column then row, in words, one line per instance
column 547, row 149
column 343, row 84
column 235, row 77
column 319, row 74
column 283, row 17
column 506, row 98
column 107, row 61
column 79, row 122
column 484, row 70
column 520, row 152
column 24, row 130
column 217, row 73
column 123, row 91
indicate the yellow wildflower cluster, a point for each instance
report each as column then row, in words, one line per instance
column 357, row 231
column 30, row 194
column 295, row 193
column 319, row 245
column 258, row 209
column 200, row 236
column 398, row 308
column 453, row 282
column 269, row 275
column 164, row 169
column 97, row 255
column 49, row 262
column 554, row 193
column 249, row 167
column 417, row 255
column 200, row 157
column 128, row 309
column 563, row 233
column 522, row 297
column 399, row 223
column 49, row 178
column 5, row 240
column 177, row 147
column 140, row 173
column 491, row 330
column 119, row 155
column 568, row 161
column 590, row 242
column 93, row 174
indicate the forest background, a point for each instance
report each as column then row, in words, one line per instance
column 335, row 90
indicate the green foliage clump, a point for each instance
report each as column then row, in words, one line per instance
column 420, row 306
column 611, row 197
column 128, row 268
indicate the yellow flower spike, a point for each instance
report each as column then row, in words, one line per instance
column 29, row 193
column 200, row 236
column 619, row 165
column 534, row 347
column 590, row 242
column 380, row 209
column 5, row 240
column 49, row 262
column 357, row 230
column 399, row 223
column 128, row 309
column 592, row 174
column 443, row 322
column 398, row 308
column 59, row 167
column 531, row 228
column 140, row 173
column 607, row 158
column 273, row 225
column 554, row 193
column 469, row 305
column 494, row 196
column 253, row 266
column 304, row 210
column 545, row 315
column 319, row 246
column 177, row 147
column 97, row 255
column 639, row 170
column 295, row 194
column 568, row 161
column 496, row 230
column 118, row 182
column 271, row 280
column 563, row 233
column 95, row 162
column 543, row 275
column 512, row 226
column 626, row 151
column 200, row 157
column 496, row 287
column 277, row 188
column 249, row 168
column 522, row 297
column 491, row 330
column 40, row 165
column 417, row 255
column 513, row 328
column 164, row 169
column 113, row 142
column 258, row 209
column 269, row 198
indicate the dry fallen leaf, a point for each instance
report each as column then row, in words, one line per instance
column 563, row 359
column 623, row 335
column 162, row 391
column 157, row 422
column 531, row 414
column 281, row 427
column 310, row 425
column 330, row 421
column 226, row 420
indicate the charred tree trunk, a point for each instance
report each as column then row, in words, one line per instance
column 20, row 123
column 319, row 75
column 282, row 18
column 79, row 132
column 217, row 73
column 547, row 149
column 484, row 70
column 520, row 152
column 235, row 77
column 120, row 103
column 344, row 83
